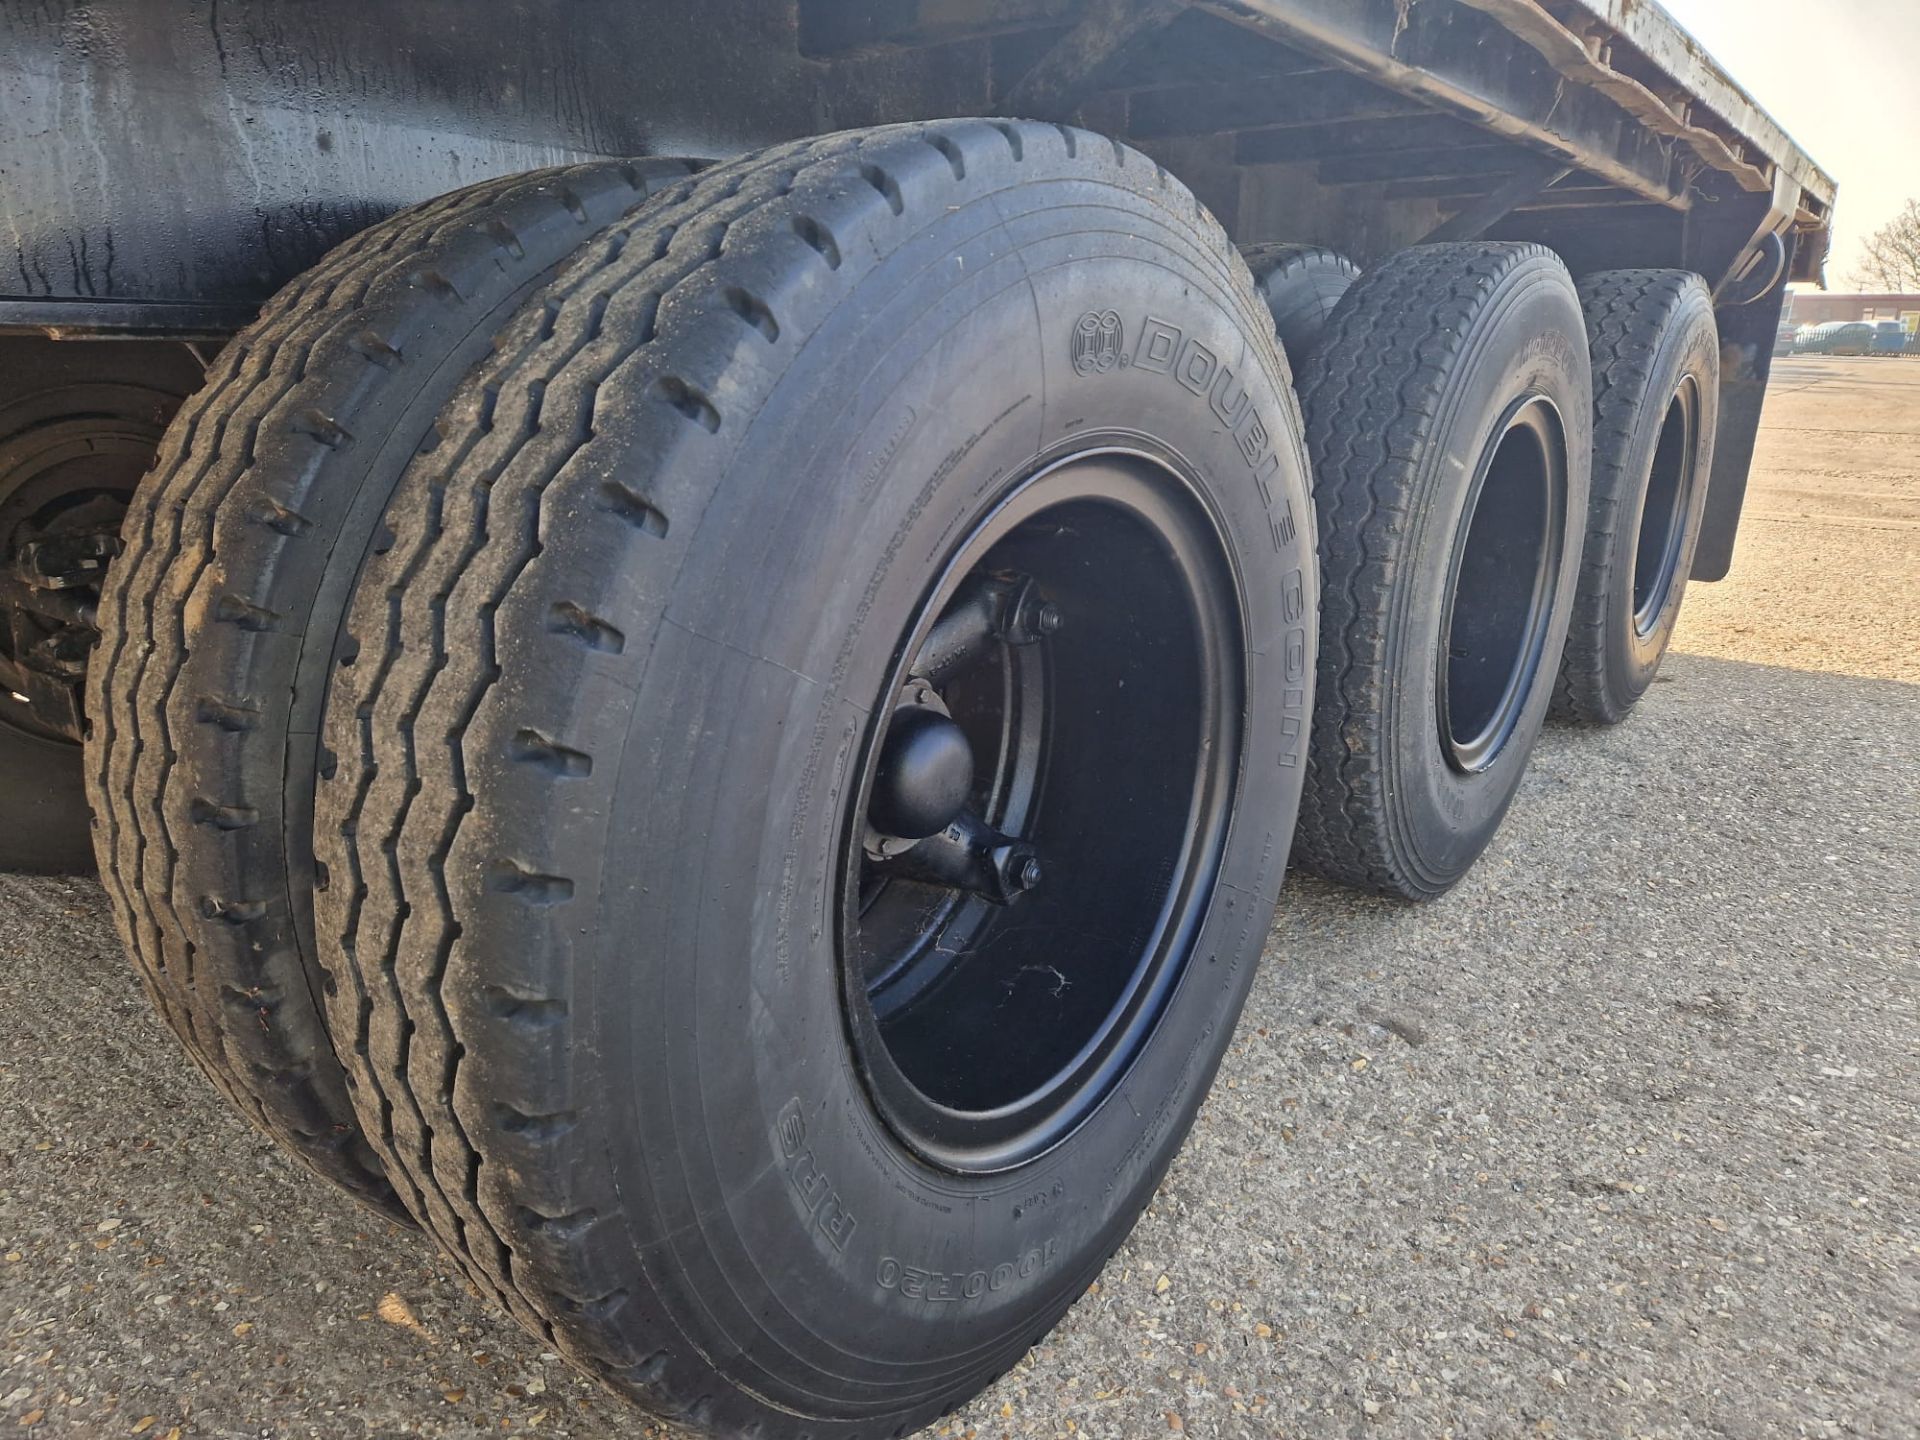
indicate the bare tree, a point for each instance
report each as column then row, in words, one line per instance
column 1893, row 254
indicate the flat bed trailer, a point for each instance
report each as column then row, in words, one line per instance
column 694, row 637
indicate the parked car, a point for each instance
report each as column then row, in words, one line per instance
column 1836, row 337
column 1890, row 337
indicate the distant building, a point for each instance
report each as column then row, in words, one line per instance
column 1817, row 307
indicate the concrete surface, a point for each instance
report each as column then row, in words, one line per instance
column 1827, row 571
column 1619, row 1139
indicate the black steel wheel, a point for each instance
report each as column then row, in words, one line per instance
column 800, row 856
column 1674, row 481
column 1508, row 555
column 1004, row 958
column 79, row 424
column 1656, row 396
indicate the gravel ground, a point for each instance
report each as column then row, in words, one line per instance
column 1618, row 1139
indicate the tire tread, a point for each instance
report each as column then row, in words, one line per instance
column 186, row 739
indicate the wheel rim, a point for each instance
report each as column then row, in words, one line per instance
column 1656, row 554
column 1001, row 975
column 65, row 485
column 1501, row 582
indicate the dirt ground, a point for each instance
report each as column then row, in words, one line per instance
column 1827, row 573
column 1618, row 1139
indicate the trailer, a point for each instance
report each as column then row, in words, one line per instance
column 693, row 646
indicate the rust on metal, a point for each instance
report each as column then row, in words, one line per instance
column 1575, row 57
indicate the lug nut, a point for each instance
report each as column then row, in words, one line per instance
column 1049, row 619
column 1029, row 873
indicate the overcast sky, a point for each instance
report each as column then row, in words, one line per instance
column 1843, row 77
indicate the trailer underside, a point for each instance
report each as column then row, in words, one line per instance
column 176, row 162
column 185, row 158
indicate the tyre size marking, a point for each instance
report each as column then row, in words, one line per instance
column 1253, row 915
column 812, row 1191
column 859, row 1125
column 889, row 448
column 789, row 883
column 1163, row 348
column 916, row 1283
column 946, row 467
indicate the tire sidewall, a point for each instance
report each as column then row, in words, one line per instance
column 1533, row 341
column 948, row 375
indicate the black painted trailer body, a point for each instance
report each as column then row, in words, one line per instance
column 165, row 165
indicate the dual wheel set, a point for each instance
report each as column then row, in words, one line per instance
column 726, row 739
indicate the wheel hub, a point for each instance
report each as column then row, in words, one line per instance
column 918, row 825
column 926, row 774
column 63, row 495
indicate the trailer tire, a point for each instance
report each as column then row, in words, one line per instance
column 1448, row 417
column 596, row 832
column 219, row 622
column 1656, row 402
column 1301, row 285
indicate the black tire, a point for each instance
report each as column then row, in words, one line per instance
column 1301, row 285
column 79, row 424
column 1451, row 509
column 219, row 622
column 1656, row 403
column 600, row 757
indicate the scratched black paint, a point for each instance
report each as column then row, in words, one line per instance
column 207, row 150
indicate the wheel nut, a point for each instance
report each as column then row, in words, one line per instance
column 1029, row 873
column 1049, row 619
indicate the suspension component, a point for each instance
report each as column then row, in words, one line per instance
column 969, row 854
column 49, row 594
